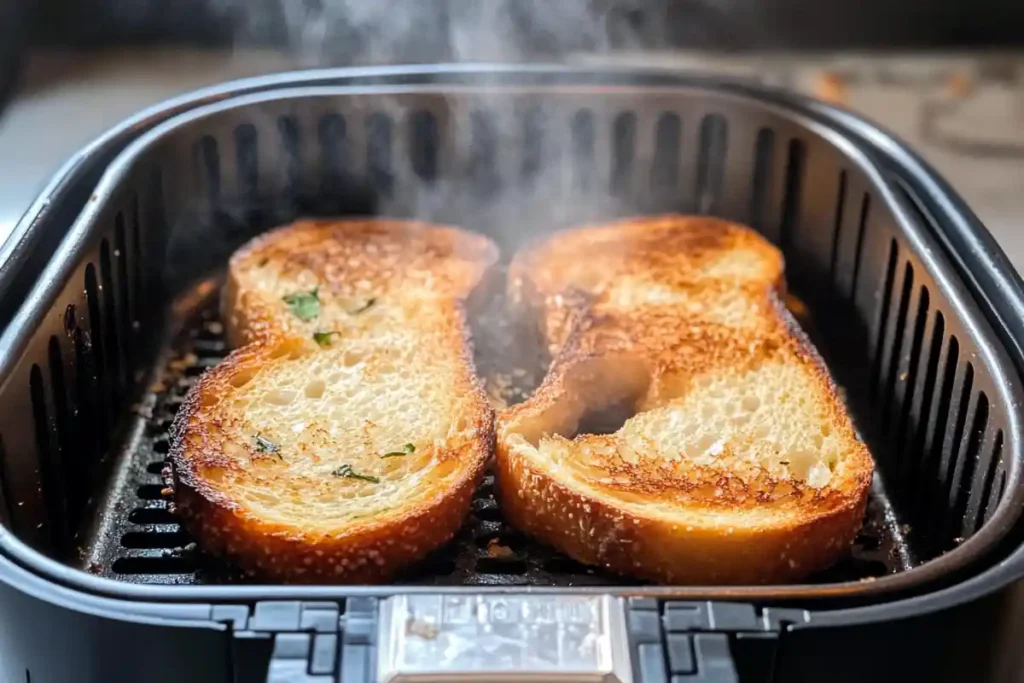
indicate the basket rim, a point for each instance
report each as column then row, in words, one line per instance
column 284, row 86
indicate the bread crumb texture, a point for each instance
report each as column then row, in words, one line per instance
column 344, row 436
column 733, row 459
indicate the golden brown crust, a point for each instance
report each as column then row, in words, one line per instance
column 420, row 276
column 701, row 303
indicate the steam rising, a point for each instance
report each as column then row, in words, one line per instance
column 510, row 165
column 401, row 31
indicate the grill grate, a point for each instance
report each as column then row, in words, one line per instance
column 143, row 543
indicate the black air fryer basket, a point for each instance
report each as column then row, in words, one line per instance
column 913, row 307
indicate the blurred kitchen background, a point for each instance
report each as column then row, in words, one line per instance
column 946, row 75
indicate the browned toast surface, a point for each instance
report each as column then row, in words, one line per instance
column 344, row 437
column 737, row 463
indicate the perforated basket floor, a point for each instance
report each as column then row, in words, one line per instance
column 141, row 541
column 931, row 385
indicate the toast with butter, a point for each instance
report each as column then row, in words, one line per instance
column 686, row 432
column 345, row 435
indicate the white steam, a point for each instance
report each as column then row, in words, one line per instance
column 401, row 31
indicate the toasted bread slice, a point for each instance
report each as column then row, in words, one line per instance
column 344, row 438
column 737, row 464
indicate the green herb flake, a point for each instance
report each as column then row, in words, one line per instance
column 304, row 305
column 406, row 450
column 324, row 338
column 264, row 445
column 364, row 307
column 347, row 472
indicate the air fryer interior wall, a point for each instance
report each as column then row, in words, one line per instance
column 84, row 427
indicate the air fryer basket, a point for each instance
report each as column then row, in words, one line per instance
column 122, row 321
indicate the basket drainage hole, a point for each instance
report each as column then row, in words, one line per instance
column 865, row 568
column 154, row 565
column 150, row 492
column 565, row 565
column 491, row 513
column 500, row 565
column 151, row 516
column 433, row 566
column 156, row 467
column 162, row 446
column 868, row 541
column 503, row 539
column 150, row 540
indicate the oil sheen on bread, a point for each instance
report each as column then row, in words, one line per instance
column 343, row 438
column 687, row 432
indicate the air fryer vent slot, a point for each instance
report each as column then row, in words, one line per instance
column 247, row 162
column 667, row 141
column 623, row 151
column 378, row 153
column 929, row 405
column 208, row 159
column 714, row 132
column 761, row 181
column 425, row 147
column 793, row 188
column 335, row 153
